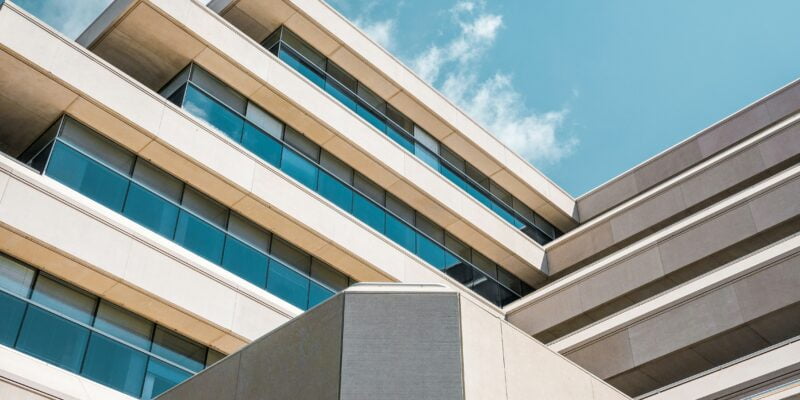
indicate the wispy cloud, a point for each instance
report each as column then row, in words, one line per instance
column 381, row 31
column 494, row 101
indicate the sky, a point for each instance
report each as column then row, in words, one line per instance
column 583, row 89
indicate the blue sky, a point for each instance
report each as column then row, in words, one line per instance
column 588, row 89
column 583, row 89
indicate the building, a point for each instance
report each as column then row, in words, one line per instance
column 184, row 179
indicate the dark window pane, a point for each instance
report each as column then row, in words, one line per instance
column 219, row 117
column 11, row 311
column 398, row 118
column 245, row 262
column 115, row 365
column 340, row 93
column 374, row 119
column 368, row 212
column 291, row 255
column 461, row 272
column 249, row 232
column 97, row 146
column 213, row 356
column 160, row 378
column 151, row 211
column 487, row 288
column 342, row 77
column 288, row 284
column 15, row 277
column 485, row 264
column 336, row 167
column 218, row 89
column 53, row 339
column 502, row 213
column 179, row 80
column 328, row 275
column 431, row 252
column 478, row 195
column 299, row 45
column 204, row 207
column 124, row 325
column 454, row 177
column 400, row 208
column 369, row 188
column 64, row 299
column 158, row 181
column 335, row 191
column 302, row 68
column 371, row 98
column 179, row 349
column 87, row 177
column 400, row 233
column 508, row 280
column 456, row 246
column 430, row 228
column 200, row 237
column 401, row 139
column 505, row 296
column 455, row 160
column 299, row 168
column 301, row 143
column 317, row 294
column 262, row 145
column 477, row 176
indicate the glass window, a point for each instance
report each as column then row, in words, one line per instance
column 245, row 262
column 508, row 280
column 477, row 176
column 430, row 228
column 160, row 378
column 400, row 208
column 11, row 311
column 328, row 275
column 335, row 166
column 291, row 255
column 301, row 143
column 426, row 139
column 431, row 252
column 64, row 299
column 317, row 294
column 369, row 188
column 272, row 39
column 204, row 207
column 288, row 284
column 426, row 155
column 398, row 118
column 500, row 193
column 371, row 98
column 115, row 365
column 368, row 212
column 151, row 211
column 300, row 46
column 88, row 177
column 124, row 325
column 176, row 82
column 178, row 349
column 262, row 145
column 38, row 151
column 249, row 232
column 372, row 117
column 157, row 180
column 53, row 339
column 523, row 210
column 305, row 68
column 400, row 138
column 214, row 113
column 342, row 94
column 452, row 158
column 97, row 146
column 15, row 277
column 486, row 265
column 213, row 356
column 199, row 237
column 299, row 168
column 264, row 120
column 401, row 233
column 219, row 90
column 456, row 246
column 335, row 191
column 342, row 77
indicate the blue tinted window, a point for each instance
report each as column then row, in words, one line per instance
column 123, row 324
column 15, row 277
column 372, row 118
column 475, row 193
column 400, row 138
column 200, row 237
column 288, row 284
column 161, row 377
column 64, row 299
column 151, row 211
column 179, row 350
column 301, row 67
column 400, row 233
column 245, row 262
column 53, row 339
column 262, row 145
column 499, row 210
column 317, row 294
column 426, row 156
column 454, row 177
column 368, row 212
column 201, row 106
column 431, row 252
column 299, row 168
column 11, row 311
column 335, row 191
column 335, row 90
column 115, row 365
column 87, row 177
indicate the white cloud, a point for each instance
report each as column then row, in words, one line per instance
column 380, row 31
column 494, row 102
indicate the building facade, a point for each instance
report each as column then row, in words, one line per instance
column 185, row 178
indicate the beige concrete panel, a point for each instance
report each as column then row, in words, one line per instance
column 607, row 196
column 769, row 289
column 150, row 270
column 579, row 247
column 482, row 352
column 231, row 74
column 707, row 238
column 668, row 164
column 250, row 320
column 191, row 173
column 147, row 46
column 228, row 344
column 27, row 210
column 678, row 365
column 605, row 357
column 733, row 129
column 247, row 24
column 368, row 76
column 213, row 151
column 777, row 205
column 620, row 278
column 783, row 102
column 647, row 213
column 311, row 33
column 548, row 311
column 533, row 372
column 29, row 101
column 109, row 125
column 722, row 176
column 269, row 13
column 781, row 146
column 685, row 324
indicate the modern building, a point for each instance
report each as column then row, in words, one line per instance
column 180, row 184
